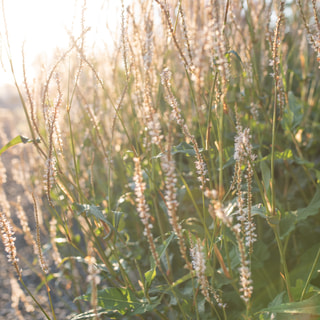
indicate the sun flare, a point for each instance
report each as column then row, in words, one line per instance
column 41, row 26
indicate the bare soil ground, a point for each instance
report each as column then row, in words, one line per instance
column 14, row 301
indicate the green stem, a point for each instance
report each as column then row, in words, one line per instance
column 50, row 300
column 195, row 299
column 163, row 317
column 273, row 192
column 283, row 261
column 99, row 248
column 225, row 242
column 197, row 108
column 221, row 187
column 156, row 209
column 33, row 298
column 208, row 234
column 310, row 274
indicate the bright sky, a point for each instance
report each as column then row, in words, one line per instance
column 42, row 25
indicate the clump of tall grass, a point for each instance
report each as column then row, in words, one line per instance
column 182, row 179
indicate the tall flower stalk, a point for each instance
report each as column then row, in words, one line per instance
column 216, row 210
column 168, row 166
column 143, row 209
column 51, row 113
column 277, row 92
column 243, row 155
column 8, row 240
column 176, row 115
column 199, row 266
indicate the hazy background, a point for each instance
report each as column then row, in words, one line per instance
column 43, row 25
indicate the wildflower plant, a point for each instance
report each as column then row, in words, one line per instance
column 177, row 178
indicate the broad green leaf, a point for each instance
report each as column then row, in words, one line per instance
column 90, row 209
column 15, row 141
column 183, row 147
column 297, row 290
column 260, row 254
column 169, row 288
column 309, row 306
column 228, row 153
column 259, row 210
column 278, row 300
column 303, row 267
column 256, row 210
column 122, row 301
column 267, row 291
column 151, row 274
column 288, row 222
column 293, row 114
column 312, row 209
column 229, row 163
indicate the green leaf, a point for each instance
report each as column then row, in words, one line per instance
column 312, row 209
column 283, row 155
column 15, row 141
column 90, row 314
column 278, row 300
column 259, row 210
column 288, row 222
column 90, row 209
column 293, row 114
column 45, row 281
column 305, row 163
column 297, row 290
column 260, row 254
column 149, row 276
column 308, row 306
column 194, row 225
column 122, row 301
column 304, row 264
column 117, row 218
column 235, row 54
column 183, row 147
column 287, row 155
column 162, row 248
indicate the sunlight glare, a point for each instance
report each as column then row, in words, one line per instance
column 43, row 25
